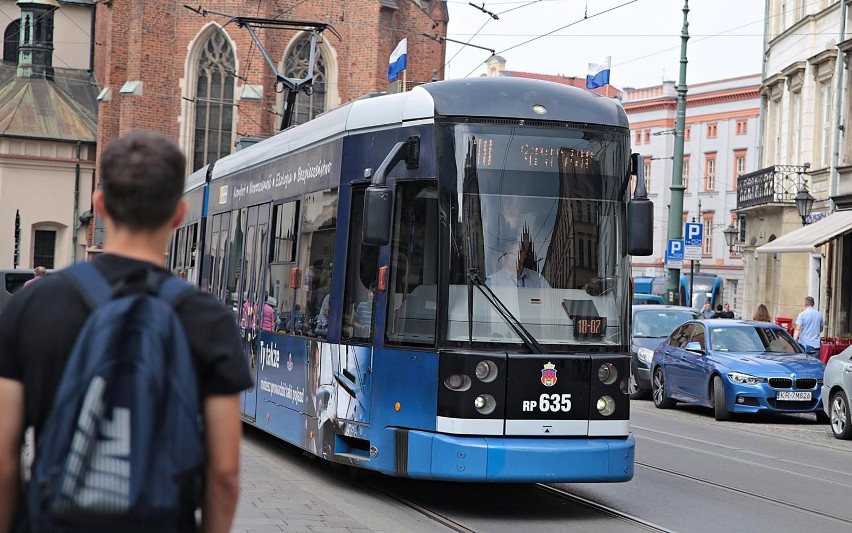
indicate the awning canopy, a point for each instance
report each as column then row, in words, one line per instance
column 806, row 238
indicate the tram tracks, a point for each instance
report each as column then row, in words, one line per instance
column 744, row 492
column 559, row 493
column 602, row 508
column 425, row 511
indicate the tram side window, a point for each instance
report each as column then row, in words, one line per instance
column 235, row 257
column 183, row 250
column 282, row 256
column 316, row 259
column 361, row 277
column 218, row 252
column 414, row 265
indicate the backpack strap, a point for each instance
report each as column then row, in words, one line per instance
column 90, row 283
column 175, row 291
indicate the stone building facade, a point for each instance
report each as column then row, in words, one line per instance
column 720, row 144
column 48, row 131
column 806, row 152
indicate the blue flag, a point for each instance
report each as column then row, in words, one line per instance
column 598, row 74
column 398, row 59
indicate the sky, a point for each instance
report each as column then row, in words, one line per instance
column 641, row 36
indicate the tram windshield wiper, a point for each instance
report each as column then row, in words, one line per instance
column 500, row 307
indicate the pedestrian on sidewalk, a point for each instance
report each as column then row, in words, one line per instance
column 761, row 314
column 808, row 326
column 39, row 271
column 142, row 180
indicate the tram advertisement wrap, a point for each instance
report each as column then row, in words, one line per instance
column 282, row 364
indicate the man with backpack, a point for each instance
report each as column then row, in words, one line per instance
column 129, row 378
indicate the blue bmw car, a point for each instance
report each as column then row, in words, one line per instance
column 736, row 366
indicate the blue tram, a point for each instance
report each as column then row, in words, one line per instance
column 434, row 284
column 706, row 287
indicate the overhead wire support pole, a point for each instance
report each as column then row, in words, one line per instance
column 675, row 229
column 489, row 13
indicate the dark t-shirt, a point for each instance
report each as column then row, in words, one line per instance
column 40, row 323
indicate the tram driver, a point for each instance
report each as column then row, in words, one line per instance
column 515, row 271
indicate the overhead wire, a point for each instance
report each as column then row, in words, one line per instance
column 587, row 17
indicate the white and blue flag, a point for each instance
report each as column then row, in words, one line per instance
column 398, row 59
column 598, row 74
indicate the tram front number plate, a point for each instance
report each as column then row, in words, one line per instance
column 794, row 396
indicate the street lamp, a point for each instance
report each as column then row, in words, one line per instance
column 730, row 234
column 804, row 202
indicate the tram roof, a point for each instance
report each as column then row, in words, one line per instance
column 512, row 98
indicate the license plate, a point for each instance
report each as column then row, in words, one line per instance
column 794, row 396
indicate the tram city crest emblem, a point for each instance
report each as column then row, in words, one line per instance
column 548, row 375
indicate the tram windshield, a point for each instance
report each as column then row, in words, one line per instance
column 539, row 218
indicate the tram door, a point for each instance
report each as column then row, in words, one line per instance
column 253, row 295
column 352, row 368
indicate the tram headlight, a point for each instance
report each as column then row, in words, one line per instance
column 486, row 371
column 606, row 405
column 485, row 404
column 457, row 382
column 607, row 373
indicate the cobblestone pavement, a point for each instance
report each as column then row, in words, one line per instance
column 283, row 491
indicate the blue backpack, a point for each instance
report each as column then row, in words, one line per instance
column 123, row 444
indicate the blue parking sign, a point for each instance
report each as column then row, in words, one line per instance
column 693, row 234
column 674, row 250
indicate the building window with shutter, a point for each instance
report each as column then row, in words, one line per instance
column 11, row 40
column 708, row 235
column 711, row 130
column 739, row 166
column 710, row 171
column 44, row 248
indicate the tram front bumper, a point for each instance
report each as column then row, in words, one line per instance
column 425, row 455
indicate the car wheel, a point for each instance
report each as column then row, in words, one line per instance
column 658, row 387
column 840, row 423
column 720, row 405
column 633, row 388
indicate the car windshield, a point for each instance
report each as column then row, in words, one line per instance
column 752, row 339
column 660, row 322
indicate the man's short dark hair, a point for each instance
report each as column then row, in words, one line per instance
column 142, row 176
column 809, row 300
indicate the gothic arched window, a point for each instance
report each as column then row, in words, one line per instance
column 11, row 38
column 296, row 66
column 214, row 101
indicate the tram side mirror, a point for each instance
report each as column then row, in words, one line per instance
column 377, row 215
column 377, row 197
column 640, row 214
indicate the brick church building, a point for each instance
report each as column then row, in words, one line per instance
column 202, row 80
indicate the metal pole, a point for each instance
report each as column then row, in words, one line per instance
column 676, row 212
column 691, row 284
column 838, row 112
column 691, row 297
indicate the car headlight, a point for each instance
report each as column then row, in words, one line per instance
column 745, row 379
column 645, row 355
